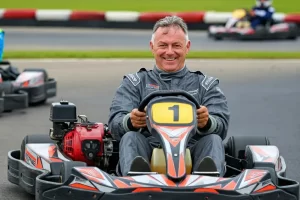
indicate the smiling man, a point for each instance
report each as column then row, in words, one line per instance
column 169, row 44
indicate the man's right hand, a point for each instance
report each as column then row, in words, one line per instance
column 138, row 119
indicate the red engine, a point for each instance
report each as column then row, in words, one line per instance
column 85, row 143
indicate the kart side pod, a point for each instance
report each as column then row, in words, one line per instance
column 260, row 156
column 264, row 157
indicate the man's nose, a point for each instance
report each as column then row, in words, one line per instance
column 170, row 50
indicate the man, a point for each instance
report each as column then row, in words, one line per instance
column 169, row 44
column 262, row 13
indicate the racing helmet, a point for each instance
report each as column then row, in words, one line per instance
column 264, row 3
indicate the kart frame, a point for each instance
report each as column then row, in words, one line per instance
column 42, row 169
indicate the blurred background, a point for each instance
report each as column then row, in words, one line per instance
column 80, row 24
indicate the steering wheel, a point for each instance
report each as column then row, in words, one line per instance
column 147, row 99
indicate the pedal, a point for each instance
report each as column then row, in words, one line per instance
column 207, row 167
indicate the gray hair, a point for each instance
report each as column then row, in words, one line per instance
column 171, row 21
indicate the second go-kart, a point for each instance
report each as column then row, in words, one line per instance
column 239, row 27
column 19, row 90
column 79, row 160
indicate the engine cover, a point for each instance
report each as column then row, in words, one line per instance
column 85, row 142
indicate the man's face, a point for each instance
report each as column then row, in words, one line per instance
column 170, row 48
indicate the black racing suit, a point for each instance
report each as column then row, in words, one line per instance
column 135, row 87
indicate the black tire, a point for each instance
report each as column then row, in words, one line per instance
column 36, row 138
column 66, row 169
column 236, row 145
column 294, row 31
column 218, row 38
column 38, row 70
column 292, row 38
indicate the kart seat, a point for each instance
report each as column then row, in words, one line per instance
column 158, row 162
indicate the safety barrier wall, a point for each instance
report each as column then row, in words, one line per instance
column 117, row 19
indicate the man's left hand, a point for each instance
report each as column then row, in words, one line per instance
column 202, row 116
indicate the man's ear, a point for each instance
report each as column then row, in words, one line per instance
column 151, row 46
column 188, row 46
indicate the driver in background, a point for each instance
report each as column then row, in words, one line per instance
column 169, row 44
column 262, row 13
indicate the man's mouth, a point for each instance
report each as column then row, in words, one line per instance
column 170, row 59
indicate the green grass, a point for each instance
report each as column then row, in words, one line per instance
column 147, row 54
column 286, row 6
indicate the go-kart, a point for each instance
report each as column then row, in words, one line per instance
column 79, row 160
column 19, row 90
column 239, row 27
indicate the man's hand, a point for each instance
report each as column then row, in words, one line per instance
column 202, row 116
column 138, row 119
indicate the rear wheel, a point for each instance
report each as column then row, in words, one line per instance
column 236, row 145
column 294, row 31
column 292, row 38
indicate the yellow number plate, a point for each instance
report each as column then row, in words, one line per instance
column 172, row 113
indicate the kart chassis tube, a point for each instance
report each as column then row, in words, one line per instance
column 33, row 181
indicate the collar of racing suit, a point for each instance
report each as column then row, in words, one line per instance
column 169, row 75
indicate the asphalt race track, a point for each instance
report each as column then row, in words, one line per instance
column 263, row 98
column 91, row 39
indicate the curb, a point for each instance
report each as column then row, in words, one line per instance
column 117, row 19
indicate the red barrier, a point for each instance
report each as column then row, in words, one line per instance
column 87, row 15
column 19, row 14
column 188, row 17
column 292, row 18
column 192, row 17
column 153, row 17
